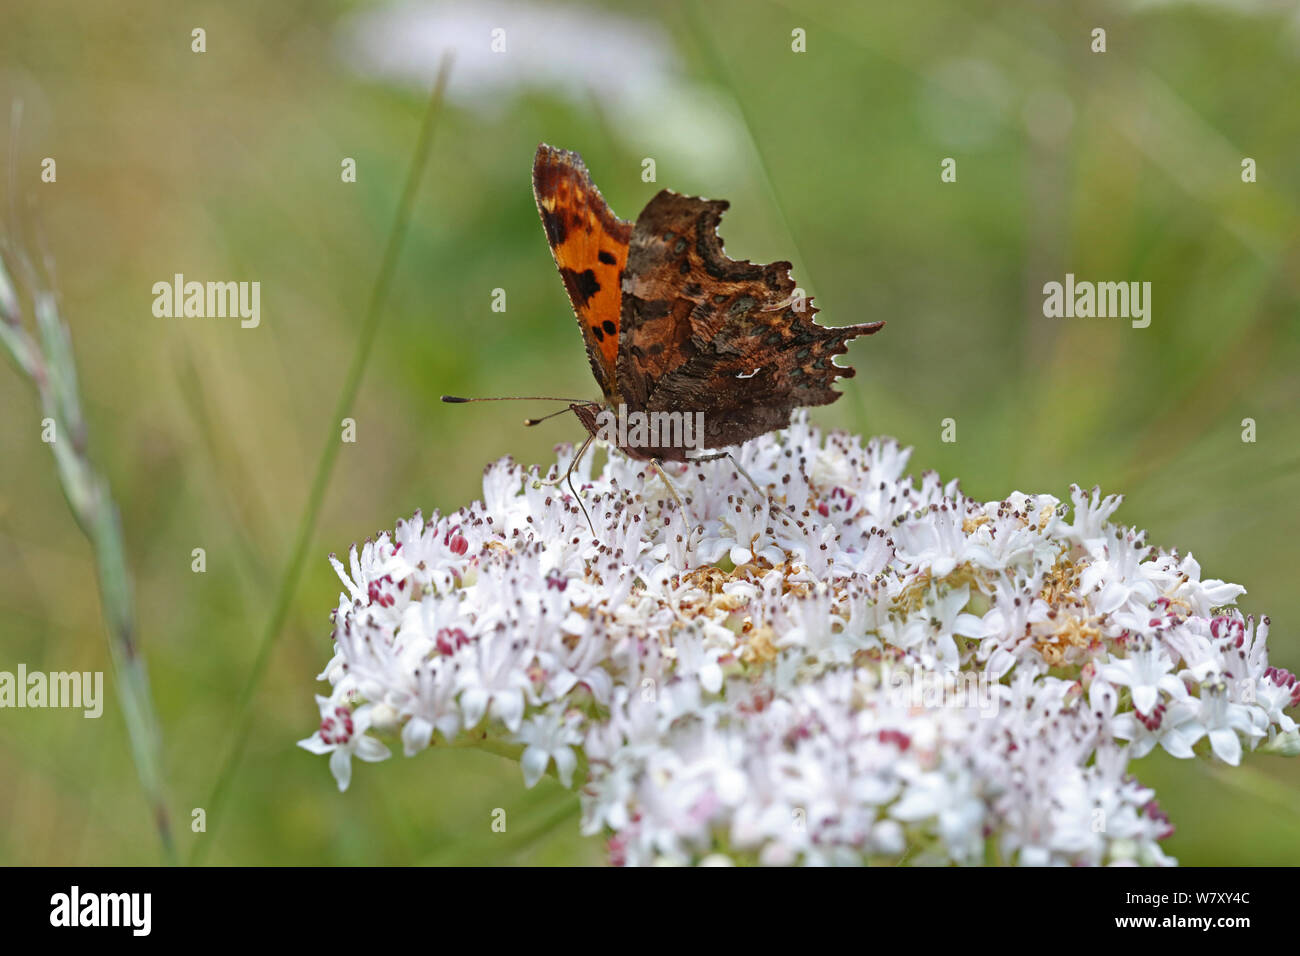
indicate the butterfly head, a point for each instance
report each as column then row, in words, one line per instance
column 587, row 413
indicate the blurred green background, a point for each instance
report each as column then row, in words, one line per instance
column 226, row 166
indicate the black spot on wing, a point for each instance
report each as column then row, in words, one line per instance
column 553, row 223
column 606, row 257
column 581, row 285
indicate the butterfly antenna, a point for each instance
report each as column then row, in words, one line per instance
column 538, row 421
column 457, row 400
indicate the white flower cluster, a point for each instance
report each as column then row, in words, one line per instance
column 861, row 669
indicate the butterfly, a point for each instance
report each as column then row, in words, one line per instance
column 673, row 327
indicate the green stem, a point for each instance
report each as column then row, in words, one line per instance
column 325, row 466
column 709, row 56
column 500, row 847
column 479, row 740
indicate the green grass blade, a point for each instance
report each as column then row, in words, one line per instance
column 325, row 466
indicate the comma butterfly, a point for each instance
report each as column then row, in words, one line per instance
column 675, row 327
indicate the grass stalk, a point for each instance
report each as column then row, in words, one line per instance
column 46, row 360
column 325, row 466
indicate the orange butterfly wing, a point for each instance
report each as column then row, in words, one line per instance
column 590, row 246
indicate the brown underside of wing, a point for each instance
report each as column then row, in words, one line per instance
column 702, row 332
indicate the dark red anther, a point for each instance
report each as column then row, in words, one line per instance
column 449, row 639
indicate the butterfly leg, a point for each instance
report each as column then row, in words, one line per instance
column 568, row 476
column 573, row 464
column 772, row 509
column 658, row 466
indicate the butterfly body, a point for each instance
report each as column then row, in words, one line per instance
column 674, row 326
column 601, row 421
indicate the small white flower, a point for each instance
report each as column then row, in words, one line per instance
column 1225, row 723
column 342, row 735
column 1145, row 672
column 549, row 736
